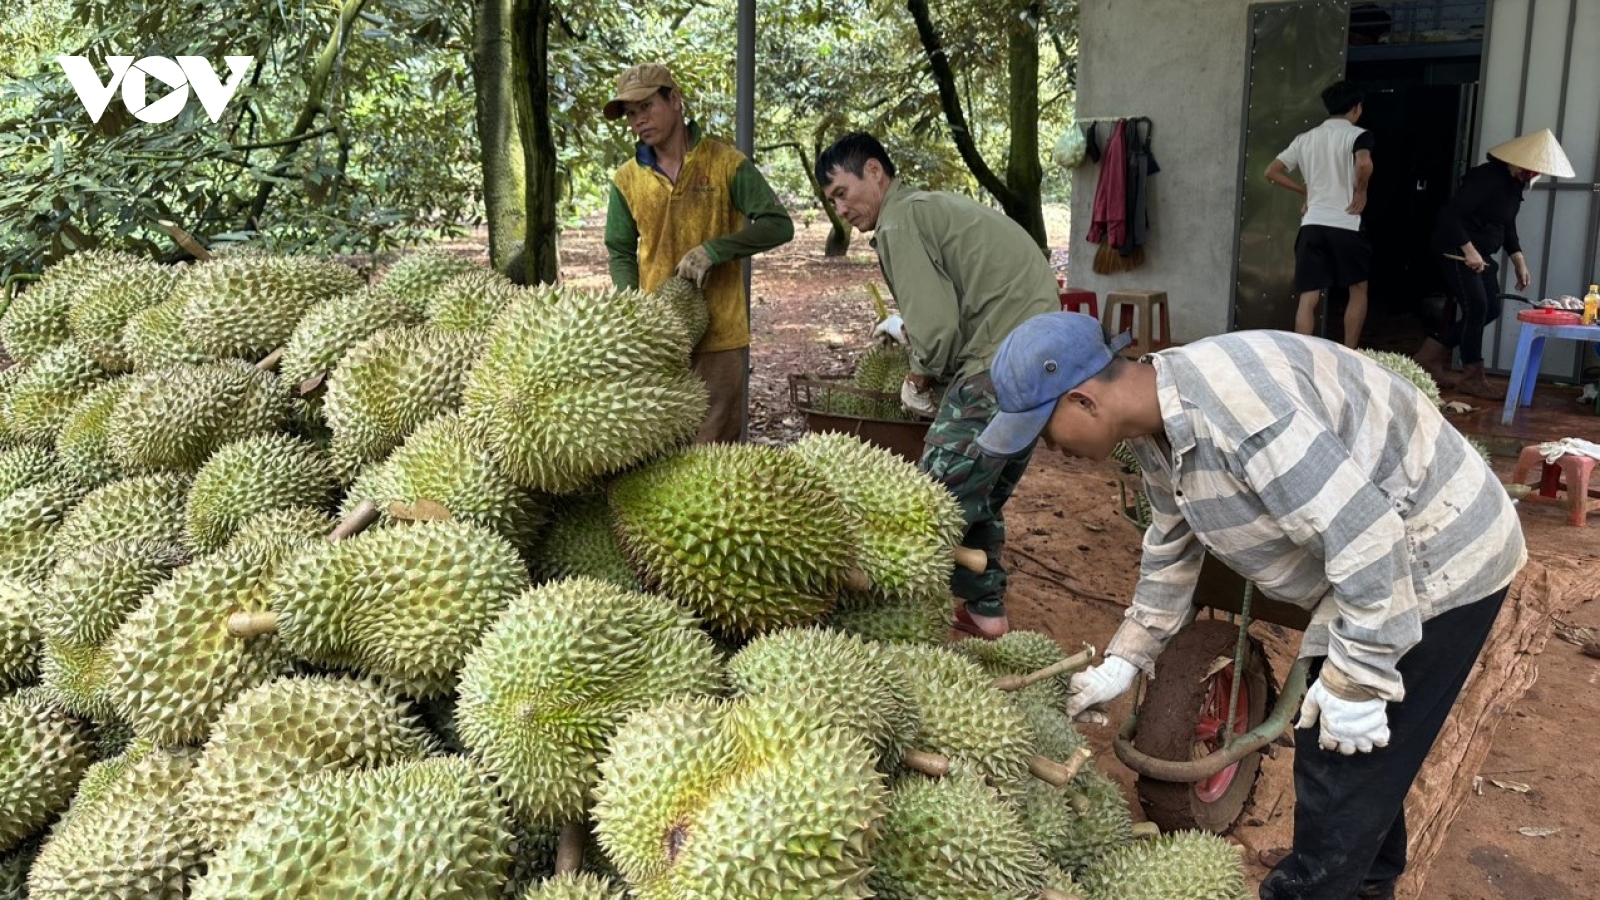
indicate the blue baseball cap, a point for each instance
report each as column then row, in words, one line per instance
column 1042, row 359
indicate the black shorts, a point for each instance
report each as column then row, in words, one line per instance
column 1326, row 257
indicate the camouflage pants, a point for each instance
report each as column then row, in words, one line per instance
column 981, row 485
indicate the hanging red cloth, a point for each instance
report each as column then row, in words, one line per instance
column 1108, row 223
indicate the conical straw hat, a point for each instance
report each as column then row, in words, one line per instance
column 1536, row 151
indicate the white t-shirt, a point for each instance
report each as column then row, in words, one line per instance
column 1327, row 156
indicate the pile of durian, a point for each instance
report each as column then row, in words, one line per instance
column 314, row 588
column 878, row 374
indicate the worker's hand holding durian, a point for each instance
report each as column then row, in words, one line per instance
column 920, row 399
column 894, row 328
column 1100, row 685
column 695, row 266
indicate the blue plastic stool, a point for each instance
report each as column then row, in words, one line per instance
column 1530, row 351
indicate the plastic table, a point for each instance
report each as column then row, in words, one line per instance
column 1530, row 349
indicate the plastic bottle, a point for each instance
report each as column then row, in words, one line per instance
column 1591, row 305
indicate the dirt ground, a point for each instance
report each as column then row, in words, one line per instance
column 1074, row 562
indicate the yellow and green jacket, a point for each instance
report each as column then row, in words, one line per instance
column 653, row 221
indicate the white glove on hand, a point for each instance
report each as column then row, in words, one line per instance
column 922, row 403
column 695, row 266
column 1348, row 726
column 1100, row 685
column 894, row 327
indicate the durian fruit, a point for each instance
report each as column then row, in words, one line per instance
column 431, row 828
column 880, row 370
column 443, row 469
column 252, row 476
column 470, row 301
column 14, row 866
column 389, row 384
column 148, row 507
column 1183, row 865
column 575, row 387
column 155, row 339
column 121, row 838
column 407, row 604
column 965, row 718
column 9, row 373
column 688, row 303
column 1123, row 454
column 336, row 324
column 1073, row 829
column 271, row 738
column 921, row 620
column 36, row 320
column 575, row 886
column 552, row 680
column 43, row 753
column 30, row 520
column 416, row 276
column 43, row 395
column 581, row 541
column 84, row 442
column 20, row 640
column 954, row 838
column 27, row 465
column 99, row 313
column 176, row 418
column 298, row 523
column 245, row 307
column 1410, row 370
column 91, row 594
column 173, row 664
column 1022, row 652
column 697, row 799
column 742, row 535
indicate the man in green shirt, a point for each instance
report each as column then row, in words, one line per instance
column 963, row 275
column 680, row 207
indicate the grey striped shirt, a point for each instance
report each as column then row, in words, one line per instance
column 1327, row 480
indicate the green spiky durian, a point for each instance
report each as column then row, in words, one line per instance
column 954, row 838
column 1407, row 368
column 581, row 541
column 924, row 620
column 688, row 303
column 44, row 394
column 336, row 324
column 443, row 462
column 43, row 753
column 173, row 664
column 246, row 307
column 432, row 828
column 271, row 738
column 573, row 388
column 20, row 640
column 155, row 339
column 148, row 507
column 388, row 385
column 14, row 866
column 964, row 717
column 27, row 465
column 9, row 373
column 30, row 521
column 406, row 604
column 100, row 313
column 742, row 535
column 575, row 886
column 1073, row 829
column 1021, row 652
column 555, row 676
column 36, row 320
column 88, row 598
column 415, row 276
column 697, row 801
column 84, row 442
column 299, row 523
column 882, row 368
column 1183, row 865
column 121, row 839
column 176, row 418
column 470, row 301
column 251, row 476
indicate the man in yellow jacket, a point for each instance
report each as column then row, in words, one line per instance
column 679, row 207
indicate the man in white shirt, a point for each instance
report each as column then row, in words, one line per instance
column 1330, row 250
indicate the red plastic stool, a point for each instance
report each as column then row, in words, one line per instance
column 1078, row 300
column 1570, row 473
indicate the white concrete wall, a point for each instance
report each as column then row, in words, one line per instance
column 1181, row 63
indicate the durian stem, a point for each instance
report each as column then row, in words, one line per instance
column 857, row 581
column 1146, row 831
column 270, row 362
column 1049, row 771
column 252, row 624
column 1072, row 663
column 365, row 513
column 970, row 558
column 185, row 240
column 1077, row 760
column 1053, row 894
column 310, row 385
column 1079, row 801
column 569, row 848
column 933, row 765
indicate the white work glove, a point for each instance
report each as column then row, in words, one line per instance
column 1348, row 726
column 695, row 266
column 1100, row 685
column 894, row 327
column 922, row 403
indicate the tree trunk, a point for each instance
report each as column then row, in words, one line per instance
column 839, row 231
column 504, row 185
column 531, row 27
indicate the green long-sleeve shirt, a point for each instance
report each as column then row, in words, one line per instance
column 963, row 275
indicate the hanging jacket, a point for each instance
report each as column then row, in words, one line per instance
column 1109, row 220
column 1141, row 165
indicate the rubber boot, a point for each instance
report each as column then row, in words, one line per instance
column 1472, row 383
column 1434, row 358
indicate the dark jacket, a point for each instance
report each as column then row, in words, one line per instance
column 1483, row 210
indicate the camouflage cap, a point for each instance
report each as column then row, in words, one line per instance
column 638, row 83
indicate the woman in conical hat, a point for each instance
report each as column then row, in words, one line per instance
column 1470, row 231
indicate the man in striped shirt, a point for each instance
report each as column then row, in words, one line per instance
column 1331, row 483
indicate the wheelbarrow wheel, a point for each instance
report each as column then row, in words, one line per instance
column 1182, row 717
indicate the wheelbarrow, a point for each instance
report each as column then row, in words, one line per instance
column 1196, row 732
